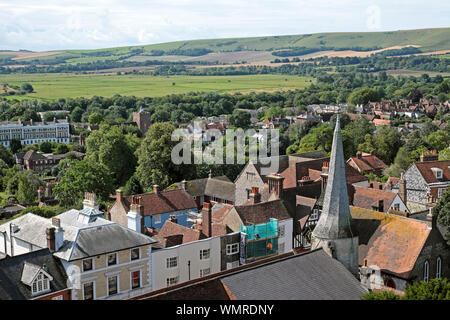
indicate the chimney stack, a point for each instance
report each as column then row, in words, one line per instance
column 402, row 191
column 207, row 219
column 275, row 182
column 255, row 196
column 50, row 232
column 431, row 219
column 210, row 174
column 156, row 189
column 359, row 154
column 41, row 194
column 58, row 232
column 183, row 185
column 135, row 215
column 119, row 196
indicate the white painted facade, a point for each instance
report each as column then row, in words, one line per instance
column 34, row 133
column 285, row 235
column 188, row 262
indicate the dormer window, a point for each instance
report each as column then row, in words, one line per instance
column 37, row 278
column 437, row 173
column 41, row 284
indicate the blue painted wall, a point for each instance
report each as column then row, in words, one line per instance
column 182, row 217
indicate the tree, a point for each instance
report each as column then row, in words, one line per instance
column 76, row 114
column 45, row 147
column 155, row 165
column 15, row 145
column 132, row 187
column 27, row 87
column 442, row 210
column 344, row 120
column 438, row 140
column 28, row 183
column 61, row 148
column 83, row 176
column 363, row 96
column 240, row 119
column 110, row 147
column 380, row 295
column 435, row 289
column 95, row 118
column 6, row 156
column 385, row 143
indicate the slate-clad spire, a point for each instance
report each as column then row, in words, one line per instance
column 335, row 220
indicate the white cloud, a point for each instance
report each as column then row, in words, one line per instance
column 82, row 24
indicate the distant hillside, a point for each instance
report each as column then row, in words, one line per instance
column 426, row 40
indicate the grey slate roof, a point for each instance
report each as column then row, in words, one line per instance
column 220, row 187
column 29, row 272
column 102, row 239
column 310, row 276
column 335, row 220
column 11, row 271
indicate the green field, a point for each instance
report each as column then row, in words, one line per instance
column 51, row 86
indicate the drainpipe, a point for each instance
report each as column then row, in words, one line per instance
column 4, row 240
column 189, row 269
column 11, row 239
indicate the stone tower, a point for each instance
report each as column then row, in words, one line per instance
column 142, row 119
column 334, row 232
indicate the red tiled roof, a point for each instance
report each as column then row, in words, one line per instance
column 391, row 242
column 428, row 174
column 369, row 162
column 175, row 234
column 166, row 201
column 381, row 122
column 218, row 215
column 368, row 197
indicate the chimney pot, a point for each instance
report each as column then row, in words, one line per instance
column 156, row 189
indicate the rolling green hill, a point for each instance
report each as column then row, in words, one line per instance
column 428, row 39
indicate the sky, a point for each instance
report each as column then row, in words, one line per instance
column 85, row 24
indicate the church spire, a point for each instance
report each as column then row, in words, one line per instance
column 335, row 220
column 333, row 231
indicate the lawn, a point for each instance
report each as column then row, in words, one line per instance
column 51, row 86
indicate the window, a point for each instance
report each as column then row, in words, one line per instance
column 250, row 176
column 60, row 297
column 135, row 254
column 232, row 248
column 438, row 267
column 172, row 262
column 157, row 218
column 88, row 291
column 213, row 198
column 171, row 281
column 41, row 284
column 87, row 264
column 205, row 272
column 426, row 271
column 315, row 214
column 112, row 285
column 135, row 279
column 281, row 230
column 204, row 254
column 281, row 247
column 112, row 259
column 248, row 193
column 397, row 206
column 440, row 192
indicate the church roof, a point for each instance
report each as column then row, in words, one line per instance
column 335, row 220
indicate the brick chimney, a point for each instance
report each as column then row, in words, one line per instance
column 255, row 196
column 206, row 219
column 50, row 232
column 359, row 154
column 324, row 175
column 304, row 181
column 119, row 196
column 429, row 156
column 275, row 182
column 156, row 189
column 41, row 194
